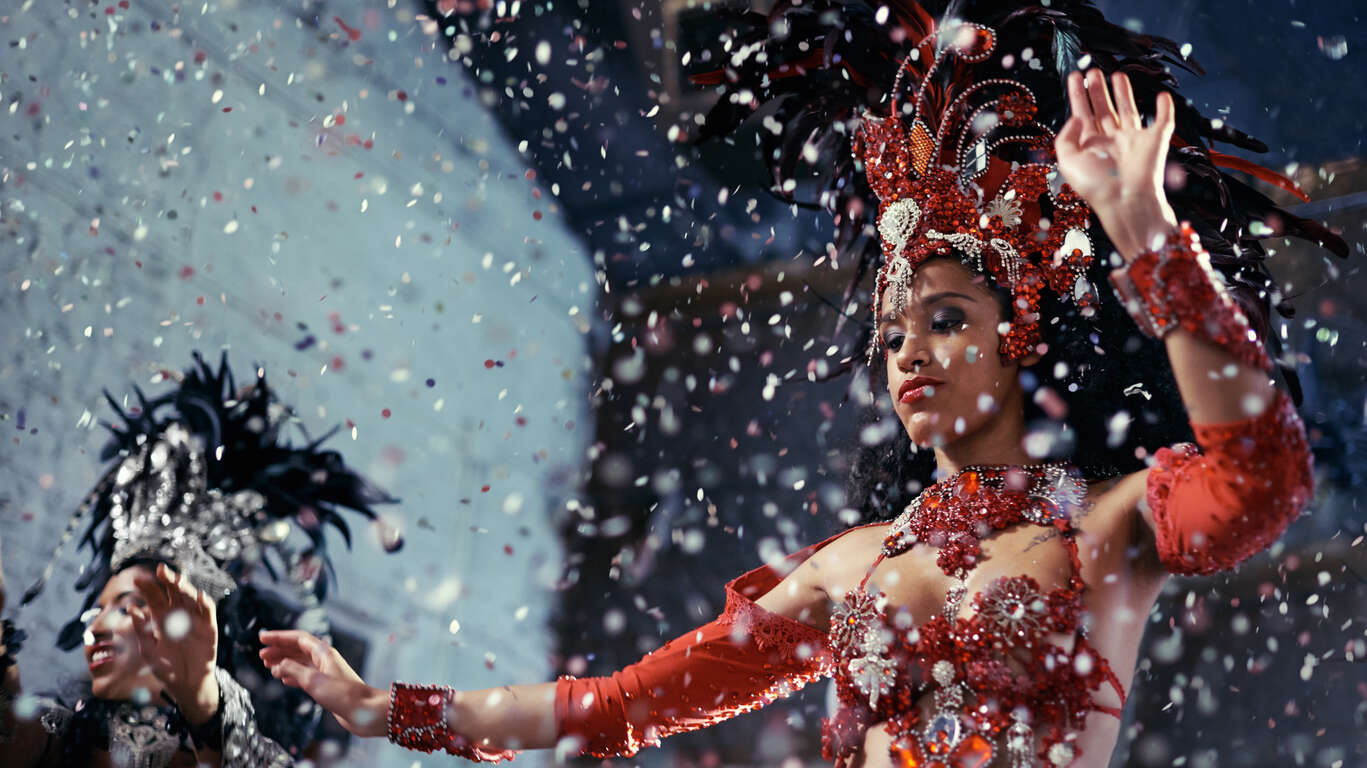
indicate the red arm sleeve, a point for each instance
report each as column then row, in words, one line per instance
column 740, row 661
column 1215, row 507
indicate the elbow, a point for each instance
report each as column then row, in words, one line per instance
column 1209, row 527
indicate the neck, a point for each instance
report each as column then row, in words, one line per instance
column 999, row 441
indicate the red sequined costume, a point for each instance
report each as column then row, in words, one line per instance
column 1212, row 508
column 994, row 677
column 961, row 164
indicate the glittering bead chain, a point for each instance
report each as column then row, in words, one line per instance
column 418, row 721
column 1175, row 287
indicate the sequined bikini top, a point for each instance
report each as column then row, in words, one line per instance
column 995, row 676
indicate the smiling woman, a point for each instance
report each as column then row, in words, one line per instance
column 204, row 494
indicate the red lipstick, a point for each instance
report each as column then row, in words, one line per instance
column 100, row 655
column 914, row 389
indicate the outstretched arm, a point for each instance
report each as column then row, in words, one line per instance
column 743, row 659
column 1210, row 508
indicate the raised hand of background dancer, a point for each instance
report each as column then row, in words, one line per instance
column 1115, row 162
column 178, row 634
column 303, row 661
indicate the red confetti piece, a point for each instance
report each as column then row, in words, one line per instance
column 385, row 413
column 218, row 197
column 200, row 301
column 401, row 95
column 340, row 119
column 187, row 272
column 351, row 32
column 484, row 489
column 337, row 363
column 488, row 363
column 507, row 549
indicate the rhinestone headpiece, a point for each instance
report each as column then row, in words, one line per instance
column 962, row 166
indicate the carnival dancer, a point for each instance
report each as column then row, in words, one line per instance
column 996, row 620
column 205, row 493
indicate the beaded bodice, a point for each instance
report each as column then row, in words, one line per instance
column 995, row 674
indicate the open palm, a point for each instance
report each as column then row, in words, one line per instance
column 1112, row 160
column 303, row 661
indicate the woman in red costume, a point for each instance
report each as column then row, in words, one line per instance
column 997, row 619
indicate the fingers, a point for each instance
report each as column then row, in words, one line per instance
column 1163, row 117
column 286, row 638
column 1100, row 98
column 1078, row 103
column 145, row 629
column 272, row 655
column 1071, row 134
column 296, row 641
column 180, row 592
column 336, row 696
column 296, row 675
column 154, row 593
column 1126, row 109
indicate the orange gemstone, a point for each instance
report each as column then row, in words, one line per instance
column 983, row 41
column 922, row 147
column 974, row 752
column 969, row 483
column 908, row 754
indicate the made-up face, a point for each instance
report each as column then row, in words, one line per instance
column 118, row 670
column 945, row 374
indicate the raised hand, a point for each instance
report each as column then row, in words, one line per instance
column 303, row 661
column 178, row 634
column 1114, row 162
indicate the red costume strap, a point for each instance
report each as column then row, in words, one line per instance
column 1216, row 507
column 418, row 721
column 744, row 659
column 1175, row 287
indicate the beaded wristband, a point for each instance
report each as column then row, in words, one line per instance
column 1175, row 287
column 417, row 720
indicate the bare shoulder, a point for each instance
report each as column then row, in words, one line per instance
column 847, row 558
column 805, row 593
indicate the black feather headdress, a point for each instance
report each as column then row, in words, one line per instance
column 205, row 480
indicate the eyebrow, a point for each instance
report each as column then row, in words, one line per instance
column 117, row 598
column 927, row 301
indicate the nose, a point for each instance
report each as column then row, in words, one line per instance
column 104, row 624
column 913, row 354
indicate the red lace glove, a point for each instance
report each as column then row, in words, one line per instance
column 417, row 720
column 1175, row 287
column 744, row 659
column 1216, row 507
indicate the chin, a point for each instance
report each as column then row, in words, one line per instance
column 924, row 429
column 103, row 687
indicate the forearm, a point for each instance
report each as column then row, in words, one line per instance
column 1216, row 386
column 510, row 717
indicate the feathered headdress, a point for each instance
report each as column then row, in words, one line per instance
column 205, row 480
column 932, row 126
